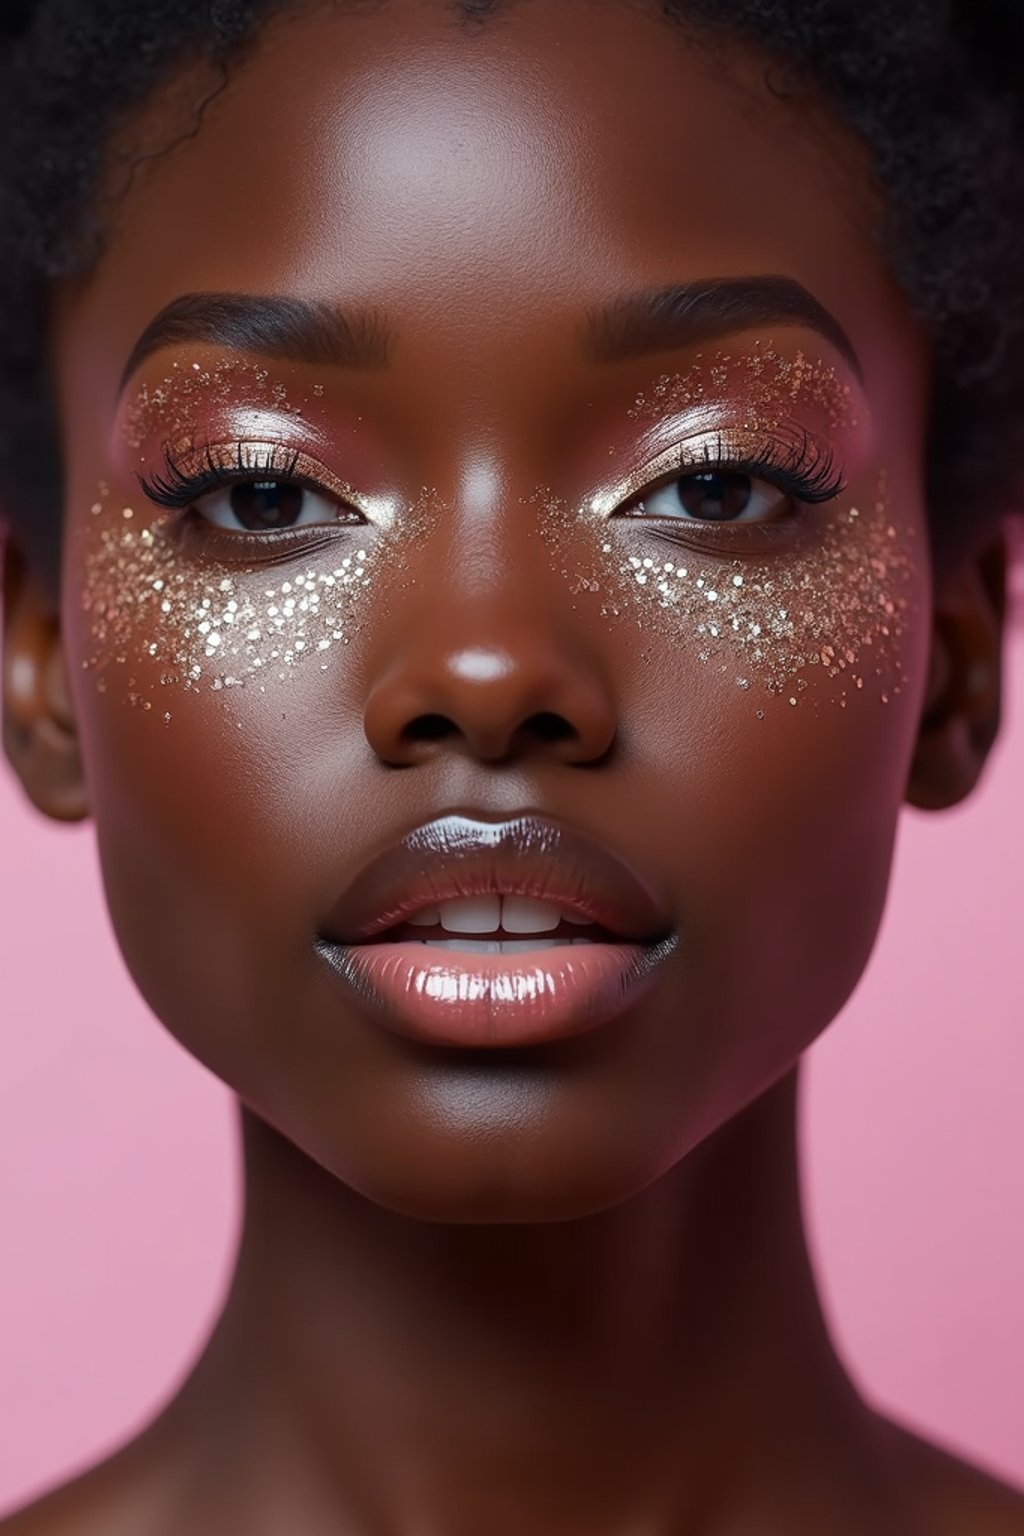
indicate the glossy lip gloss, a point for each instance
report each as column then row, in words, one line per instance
column 497, row 1000
column 601, row 935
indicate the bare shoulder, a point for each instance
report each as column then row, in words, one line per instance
column 953, row 1497
column 127, row 1495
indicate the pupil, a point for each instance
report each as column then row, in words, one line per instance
column 715, row 496
column 266, row 503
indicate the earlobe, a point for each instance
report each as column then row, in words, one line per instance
column 962, row 709
column 40, row 736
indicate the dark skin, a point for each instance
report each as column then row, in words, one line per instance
column 565, row 1292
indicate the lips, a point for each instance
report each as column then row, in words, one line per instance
column 459, row 857
column 473, row 932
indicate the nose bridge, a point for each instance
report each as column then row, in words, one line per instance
column 486, row 654
column 485, row 575
column 490, row 581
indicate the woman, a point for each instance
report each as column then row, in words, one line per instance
column 512, row 505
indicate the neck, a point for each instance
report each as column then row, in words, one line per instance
column 379, row 1372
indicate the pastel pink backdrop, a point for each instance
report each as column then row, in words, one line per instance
column 119, row 1198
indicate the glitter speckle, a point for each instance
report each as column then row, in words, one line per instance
column 170, row 405
column 772, row 382
column 145, row 600
column 822, row 601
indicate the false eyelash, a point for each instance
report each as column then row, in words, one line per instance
column 799, row 468
column 175, row 489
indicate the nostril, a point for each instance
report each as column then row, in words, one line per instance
column 546, row 726
column 429, row 728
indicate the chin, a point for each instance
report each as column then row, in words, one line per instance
column 456, row 1180
column 506, row 1205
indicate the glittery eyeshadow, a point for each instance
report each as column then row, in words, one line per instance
column 841, row 605
column 159, row 618
column 169, row 407
column 212, row 627
column 771, row 384
column 838, row 599
column 194, row 626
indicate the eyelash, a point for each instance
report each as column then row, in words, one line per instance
column 800, row 469
column 176, row 489
column 222, row 467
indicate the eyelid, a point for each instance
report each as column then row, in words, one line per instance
column 228, row 458
column 691, row 455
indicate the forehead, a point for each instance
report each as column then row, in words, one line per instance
column 487, row 182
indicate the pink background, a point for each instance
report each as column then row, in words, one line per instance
column 119, row 1203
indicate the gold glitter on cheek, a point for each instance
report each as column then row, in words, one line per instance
column 836, row 604
column 162, row 619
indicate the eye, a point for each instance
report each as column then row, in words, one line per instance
column 726, row 479
column 715, row 496
column 252, row 506
column 227, row 492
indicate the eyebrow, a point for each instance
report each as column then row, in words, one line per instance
column 299, row 330
column 660, row 318
column 634, row 325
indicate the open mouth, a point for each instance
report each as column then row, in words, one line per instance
column 472, row 933
column 497, row 925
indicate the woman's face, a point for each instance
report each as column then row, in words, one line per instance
column 484, row 568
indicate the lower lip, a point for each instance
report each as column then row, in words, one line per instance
column 496, row 1000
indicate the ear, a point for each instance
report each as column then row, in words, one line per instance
column 40, row 736
column 963, row 703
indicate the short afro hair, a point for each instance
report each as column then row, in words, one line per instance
column 932, row 87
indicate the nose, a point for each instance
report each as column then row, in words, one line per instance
column 491, row 681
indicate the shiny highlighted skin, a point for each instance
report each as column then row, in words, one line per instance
column 444, row 998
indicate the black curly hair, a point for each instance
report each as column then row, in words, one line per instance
column 935, row 88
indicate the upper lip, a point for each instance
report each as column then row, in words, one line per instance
column 458, row 855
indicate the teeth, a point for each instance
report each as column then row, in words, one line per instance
column 430, row 917
column 477, row 914
column 519, row 914
column 499, row 946
column 466, row 946
column 489, row 914
column 530, row 946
